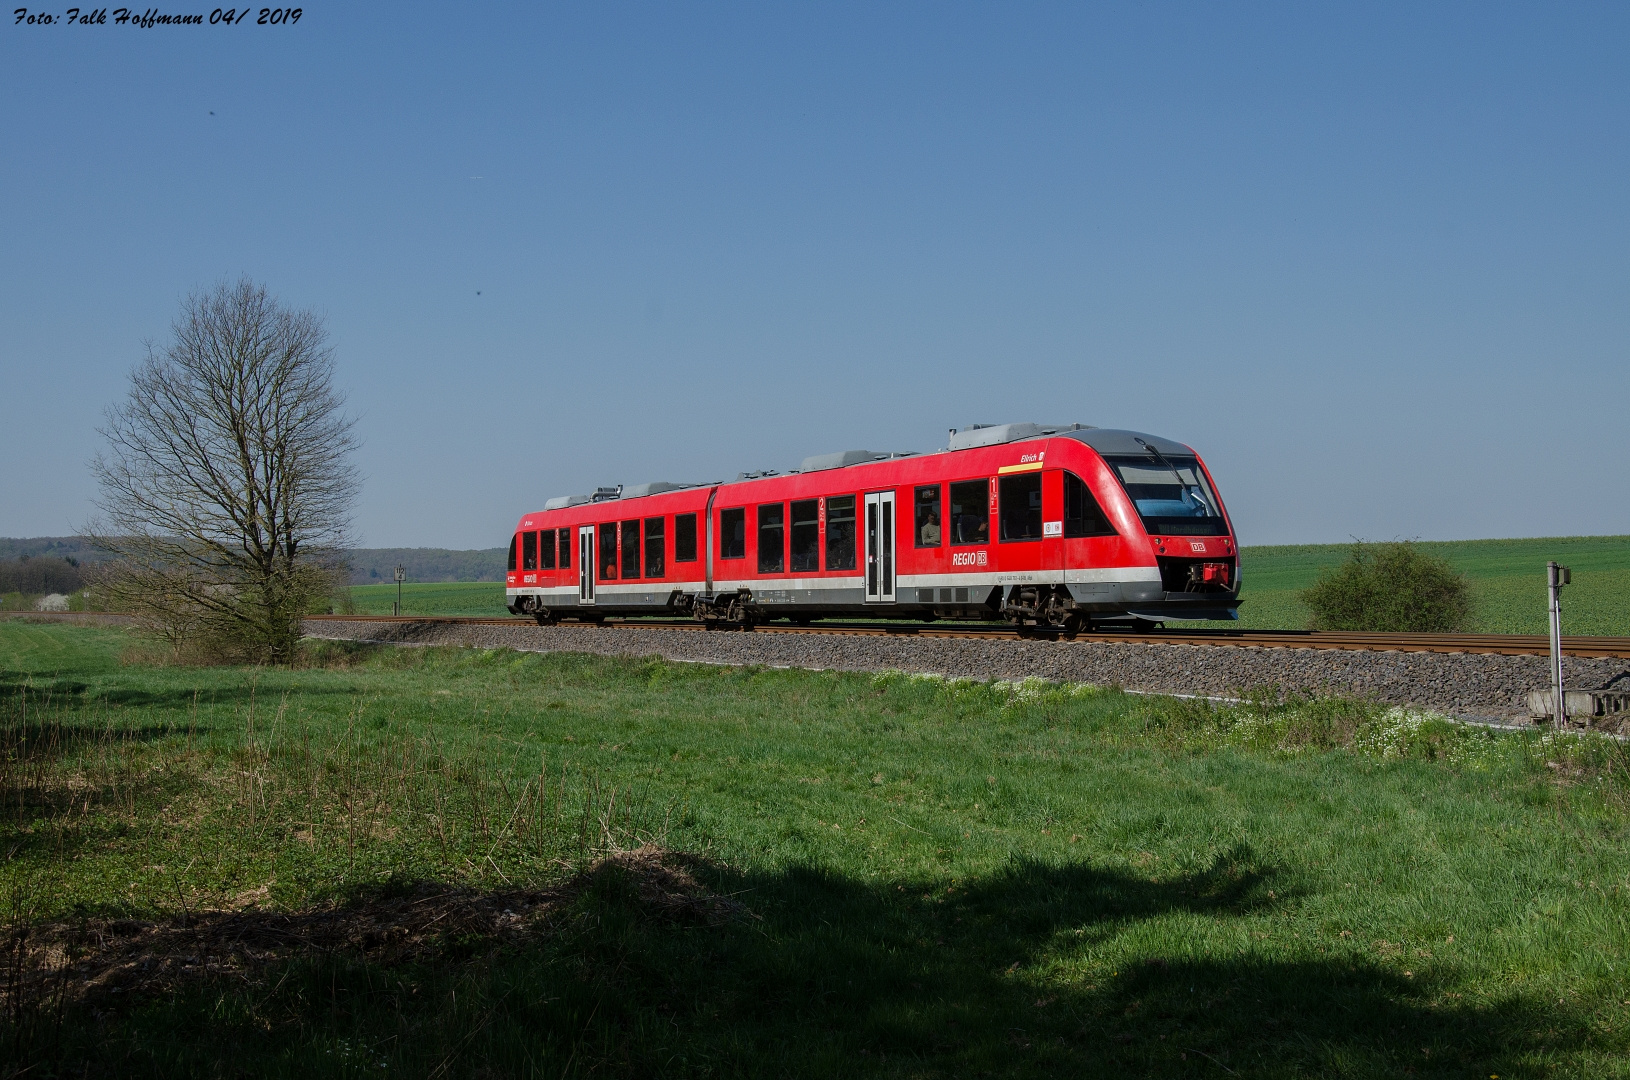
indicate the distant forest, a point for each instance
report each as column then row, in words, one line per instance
column 369, row 566
column 45, row 574
column 63, row 547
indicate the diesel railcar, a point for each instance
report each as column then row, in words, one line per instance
column 1060, row 527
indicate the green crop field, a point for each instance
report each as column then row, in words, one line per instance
column 335, row 871
column 1507, row 576
column 436, row 598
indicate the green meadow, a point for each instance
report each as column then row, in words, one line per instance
column 713, row 871
column 432, row 598
column 1507, row 577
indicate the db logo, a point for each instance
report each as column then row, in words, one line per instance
column 531, row 579
column 968, row 558
column 1197, row 546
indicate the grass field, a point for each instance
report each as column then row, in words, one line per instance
column 1508, row 585
column 893, row 876
column 436, row 598
column 1507, row 577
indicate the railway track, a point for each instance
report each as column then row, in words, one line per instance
column 1496, row 644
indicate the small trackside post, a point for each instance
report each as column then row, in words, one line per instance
column 401, row 573
column 1555, row 578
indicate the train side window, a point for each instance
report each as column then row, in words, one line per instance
column 655, row 536
column 512, row 552
column 566, row 548
column 806, row 535
column 606, row 537
column 1082, row 514
column 733, row 533
column 927, row 502
column 1021, row 507
column 529, row 551
column 772, row 538
column 546, row 549
column 631, row 549
column 685, row 538
column 840, row 532
column 970, row 512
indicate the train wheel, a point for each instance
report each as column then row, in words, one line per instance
column 1072, row 624
column 545, row 618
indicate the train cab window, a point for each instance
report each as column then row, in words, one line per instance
column 1082, row 514
column 806, row 535
column 840, row 532
column 512, row 552
column 733, row 533
column 566, row 548
column 546, row 549
column 606, row 537
column 772, row 536
column 685, row 538
column 529, row 551
column 1171, row 494
column 927, row 524
column 631, row 549
column 655, row 536
column 1021, row 507
column 970, row 512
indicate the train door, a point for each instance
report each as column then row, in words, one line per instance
column 1052, row 521
column 585, row 564
column 880, row 547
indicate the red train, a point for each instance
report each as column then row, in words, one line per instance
column 1058, row 527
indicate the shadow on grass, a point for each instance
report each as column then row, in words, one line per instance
column 831, row 976
column 44, row 693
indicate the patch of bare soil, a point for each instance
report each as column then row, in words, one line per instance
column 72, row 961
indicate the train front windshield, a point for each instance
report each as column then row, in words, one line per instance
column 1171, row 494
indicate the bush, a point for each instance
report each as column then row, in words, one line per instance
column 1390, row 588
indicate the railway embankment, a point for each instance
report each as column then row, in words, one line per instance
column 1468, row 685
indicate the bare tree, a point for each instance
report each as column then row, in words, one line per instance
column 227, row 484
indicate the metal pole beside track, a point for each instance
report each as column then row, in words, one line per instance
column 1556, row 577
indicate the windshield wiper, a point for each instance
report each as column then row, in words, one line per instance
column 1190, row 491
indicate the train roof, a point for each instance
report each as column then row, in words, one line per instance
column 1103, row 440
column 1121, row 441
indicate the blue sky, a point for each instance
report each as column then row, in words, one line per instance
column 1370, row 260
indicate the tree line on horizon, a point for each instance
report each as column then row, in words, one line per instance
column 366, row 566
column 43, row 575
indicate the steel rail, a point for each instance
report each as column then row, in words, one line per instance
column 1488, row 644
